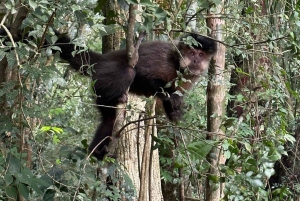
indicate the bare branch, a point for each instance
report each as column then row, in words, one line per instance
column 130, row 35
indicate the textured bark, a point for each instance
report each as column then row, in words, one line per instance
column 215, row 107
column 133, row 146
column 110, row 42
column 134, row 153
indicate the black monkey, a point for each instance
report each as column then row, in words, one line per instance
column 157, row 65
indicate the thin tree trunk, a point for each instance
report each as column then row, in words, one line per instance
column 215, row 108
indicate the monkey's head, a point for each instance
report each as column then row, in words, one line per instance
column 196, row 52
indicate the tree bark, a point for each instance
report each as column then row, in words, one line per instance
column 135, row 154
column 134, row 143
column 215, row 108
column 110, row 42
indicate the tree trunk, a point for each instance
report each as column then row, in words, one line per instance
column 133, row 146
column 215, row 109
column 110, row 42
column 134, row 152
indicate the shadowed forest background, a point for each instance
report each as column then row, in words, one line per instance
column 239, row 137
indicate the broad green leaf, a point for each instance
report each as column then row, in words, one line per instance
column 213, row 178
column 257, row 183
column 8, row 179
column 146, row 3
column 14, row 165
column 160, row 13
column 11, row 192
column 24, row 191
column 200, row 148
column 32, row 4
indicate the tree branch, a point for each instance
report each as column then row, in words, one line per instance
column 199, row 11
column 131, row 52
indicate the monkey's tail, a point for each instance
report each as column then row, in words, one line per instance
column 104, row 132
column 81, row 61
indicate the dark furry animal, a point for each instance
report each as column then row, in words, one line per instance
column 157, row 65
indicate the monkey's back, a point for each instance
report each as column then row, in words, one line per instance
column 156, row 66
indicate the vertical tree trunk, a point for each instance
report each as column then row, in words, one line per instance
column 135, row 141
column 215, row 108
column 134, row 152
column 110, row 42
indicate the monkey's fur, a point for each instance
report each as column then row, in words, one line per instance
column 158, row 65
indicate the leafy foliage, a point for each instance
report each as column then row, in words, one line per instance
column 46, row 118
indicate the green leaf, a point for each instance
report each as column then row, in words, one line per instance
column 56, row 140
column 200, row 148
column 257, row 183
column 55, row 48
column 274, row 157
column 11, row 59
column 32, row 4
column 248, row 146
column 24, row 191
column 84, row 143
column 292, row 35
column 52, row 128
column 25, row 176
column 178, row 164
column 14, row 165
column 251, row 161
column 146, row 3
column 269, row 172
column 45, row 128
column 178, row 93
column 58, row 161
column 132, row 1
column 2, row 55
column 8, row 179
column 81, row 17
column 213, row 178
column 57, row 129
column 160, row 13
column 11, row 192
column 169, row 84
column 49, row 195
column 289, row 138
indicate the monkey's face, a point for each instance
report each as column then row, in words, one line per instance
column 196, row 60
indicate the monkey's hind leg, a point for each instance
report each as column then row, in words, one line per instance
column 104, row 131
column 111, row 90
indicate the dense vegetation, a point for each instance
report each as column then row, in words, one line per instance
column 47, row 114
